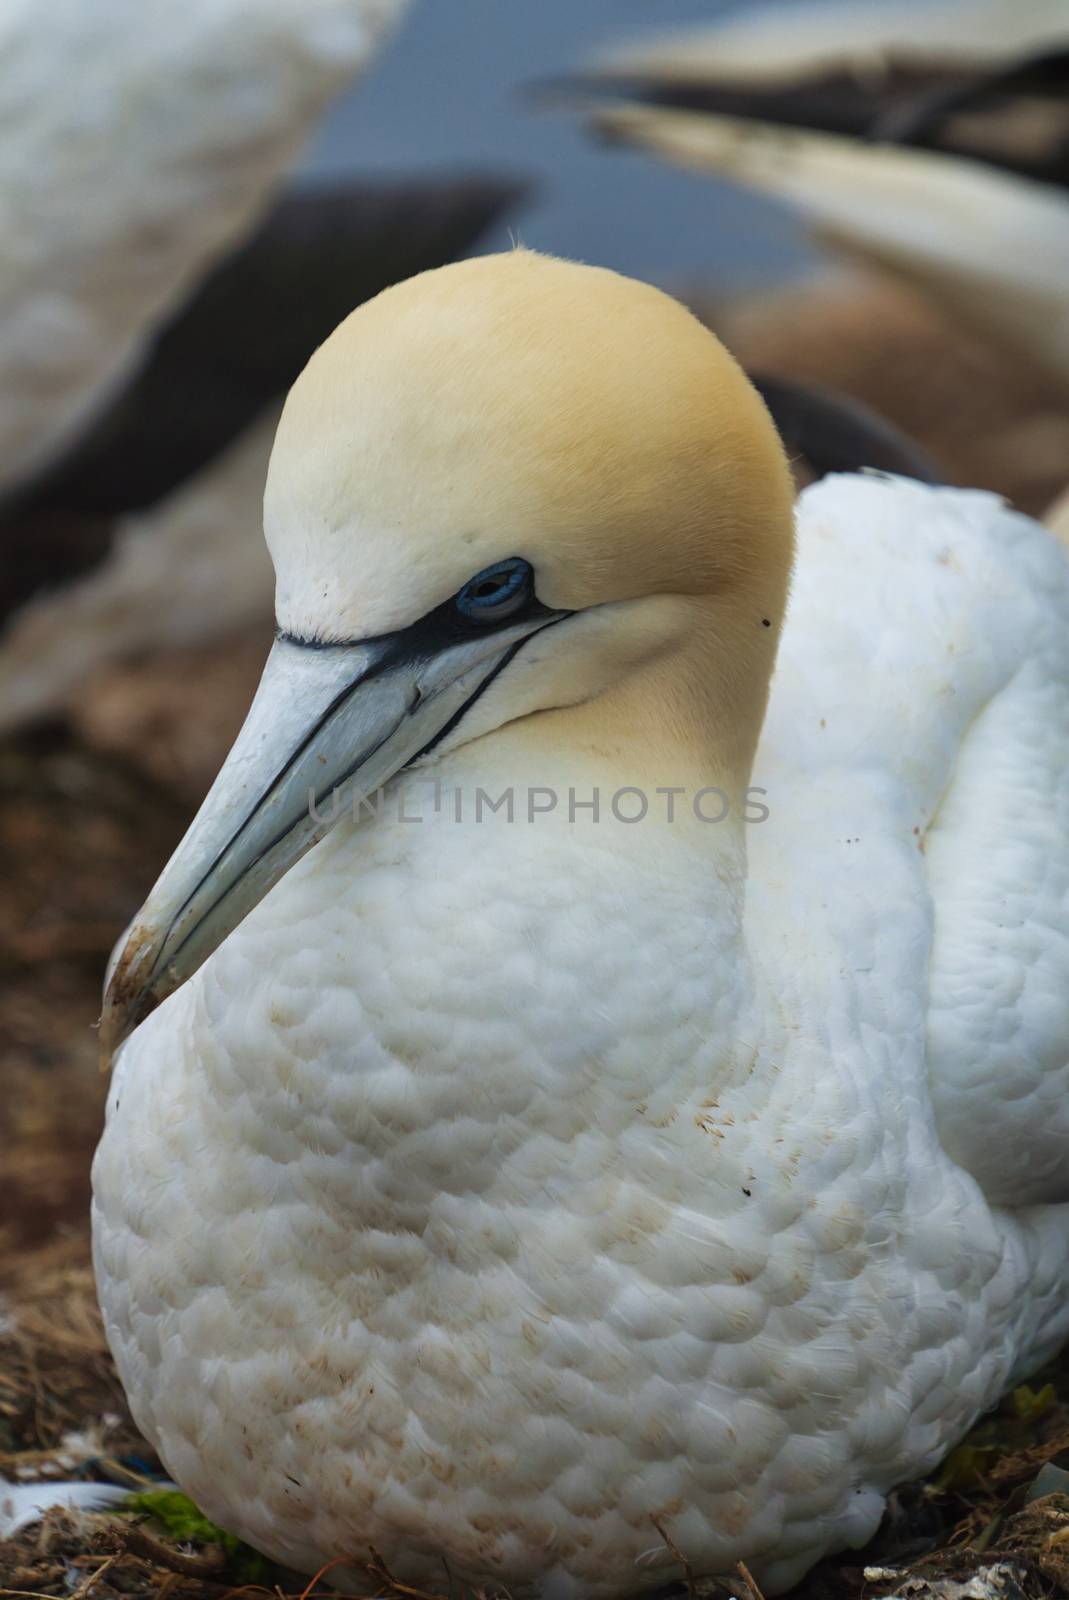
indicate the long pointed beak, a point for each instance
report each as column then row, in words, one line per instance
column 329, row 723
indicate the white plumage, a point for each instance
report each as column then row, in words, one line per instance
column 501, row 1191
column 136, row 145
column 960, row 744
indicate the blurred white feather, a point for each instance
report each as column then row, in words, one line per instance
column 756, row 43
column 22, row 1504
column 186, row 570
column 989, row 245
column 137, row 144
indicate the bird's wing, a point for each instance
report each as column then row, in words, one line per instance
column 997, row 856
column 920, row 715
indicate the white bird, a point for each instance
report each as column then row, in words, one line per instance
column 928, row 139
column 534, row 1188
column 138, row 144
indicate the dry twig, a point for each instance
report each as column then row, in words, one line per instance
column 688, row 1575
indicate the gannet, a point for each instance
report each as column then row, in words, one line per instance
column 916, row 136
column 674, row 1159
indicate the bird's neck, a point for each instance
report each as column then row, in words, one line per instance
column 565, row 895
column 687, row 718
column 578, row 930
column 618, row 825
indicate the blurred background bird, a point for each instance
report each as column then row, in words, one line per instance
column 926, row 147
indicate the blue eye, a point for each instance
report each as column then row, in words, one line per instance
column 499, row 591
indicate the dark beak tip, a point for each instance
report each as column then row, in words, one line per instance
column 128, row 998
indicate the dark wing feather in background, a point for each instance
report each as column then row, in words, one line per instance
column 1014, row 116
column 237, row 344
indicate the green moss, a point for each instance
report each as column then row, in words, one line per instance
column 186, row 1524
column 997, row 1434
column 1027, row 1405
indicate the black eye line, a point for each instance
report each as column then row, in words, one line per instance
column 444, row 625
column 551, row 620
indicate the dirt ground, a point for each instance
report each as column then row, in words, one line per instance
column 91, row 807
